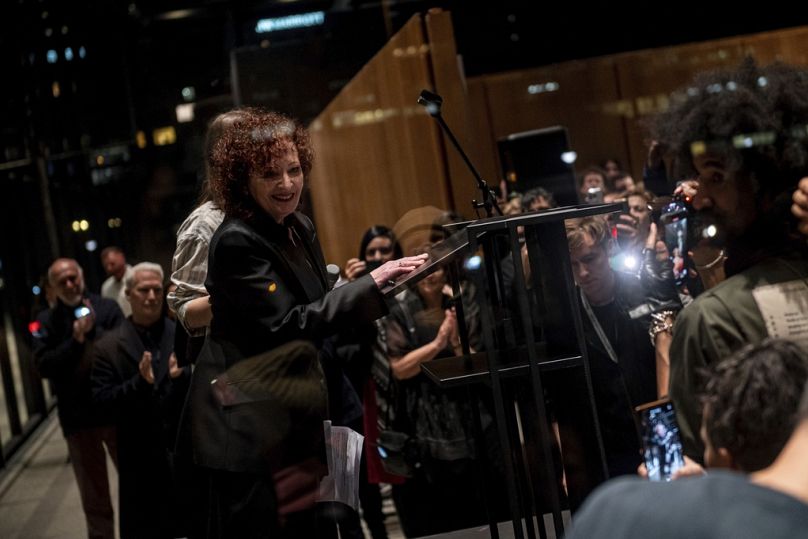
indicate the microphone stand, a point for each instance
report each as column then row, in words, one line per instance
column 432, row 102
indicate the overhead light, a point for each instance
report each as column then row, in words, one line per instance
column 185, row 113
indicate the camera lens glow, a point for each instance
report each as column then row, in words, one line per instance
column 710, row 231
column 473, row 263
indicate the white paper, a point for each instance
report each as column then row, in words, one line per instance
column 784, row 308
column 344, row 452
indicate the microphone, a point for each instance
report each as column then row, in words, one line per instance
column 333, row 275
column 432, row 102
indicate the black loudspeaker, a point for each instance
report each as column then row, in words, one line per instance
column 540, row 158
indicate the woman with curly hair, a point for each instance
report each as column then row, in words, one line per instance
column 255, row 414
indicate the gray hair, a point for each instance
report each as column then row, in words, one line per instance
column 129, row 282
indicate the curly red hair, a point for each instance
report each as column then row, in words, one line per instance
column 251, row 144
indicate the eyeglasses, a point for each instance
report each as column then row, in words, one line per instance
column 370, row 251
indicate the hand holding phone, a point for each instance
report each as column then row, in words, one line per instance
column 84, row 321
column 662, row 447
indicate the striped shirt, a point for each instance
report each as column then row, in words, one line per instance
column 189, row 267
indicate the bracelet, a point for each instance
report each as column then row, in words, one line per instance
column 661, row 321
column 709, row 265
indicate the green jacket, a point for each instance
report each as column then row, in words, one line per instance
column 717, row 323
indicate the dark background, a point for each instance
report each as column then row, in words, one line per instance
column 73, row 154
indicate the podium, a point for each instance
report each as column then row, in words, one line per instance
column 533, row 361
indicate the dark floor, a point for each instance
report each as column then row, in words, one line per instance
column 39, row 498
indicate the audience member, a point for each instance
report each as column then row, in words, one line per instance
column 441, row 495
column 136, row 376
column 622, row 360
column 189, row 267
column 63, row 352
column 749, row 406
column 268, row 288
column 114, row 262
column 612, row 168
column 771, row 502
column 621, row 184
column 538, row 198
column 360, row 350
column 594, row 179
column 744, row 192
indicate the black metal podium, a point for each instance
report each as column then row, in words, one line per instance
column 534, row 355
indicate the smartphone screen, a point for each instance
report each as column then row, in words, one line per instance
column 676, row 242
column 662, row 447
column 594, row 195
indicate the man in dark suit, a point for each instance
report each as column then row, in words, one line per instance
column 135, row 374
column 63, row 352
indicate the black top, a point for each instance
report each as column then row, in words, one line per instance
column 621, row 386
column 721, row 505
column 67, row 363
column 267, row 285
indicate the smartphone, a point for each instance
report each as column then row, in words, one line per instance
column 594, row 195
column 673, row 221
column 81, row 311
column 662, row 447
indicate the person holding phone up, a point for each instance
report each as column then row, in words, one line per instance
column 62, row 349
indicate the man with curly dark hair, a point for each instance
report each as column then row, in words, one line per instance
column 750, row 405
column 743, row 134
column 771, row 502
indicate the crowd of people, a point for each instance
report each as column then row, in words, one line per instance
column 215, row 421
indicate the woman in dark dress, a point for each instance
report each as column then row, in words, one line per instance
column 442, row 494
column 256, row 423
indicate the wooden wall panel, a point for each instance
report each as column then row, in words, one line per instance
column 585, row 102
column 482, row 142
column 448, row 82
column 378, row 152
column 646, row 79
column 790, row 46
column 603, row 101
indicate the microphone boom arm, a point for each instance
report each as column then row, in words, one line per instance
column 433, row 103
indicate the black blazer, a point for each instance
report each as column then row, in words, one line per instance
column 139, row 408
column 267, row 285
column 146, row 416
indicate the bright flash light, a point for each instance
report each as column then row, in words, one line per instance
column 569, row 157
column 84, row 224
column 710, row 231
column 473, row 263
column 91, row 245
column 630, row 262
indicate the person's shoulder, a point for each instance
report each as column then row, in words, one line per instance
column 106, row 344
column 107, row 283
column 616, row 503
column 234, row 231
column 105, row 308
column 202, row 221
column 100, row 302
column 304, row 223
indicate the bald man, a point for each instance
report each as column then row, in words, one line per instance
column 63, row 352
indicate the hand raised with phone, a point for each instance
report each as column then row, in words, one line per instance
column 85, row 320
